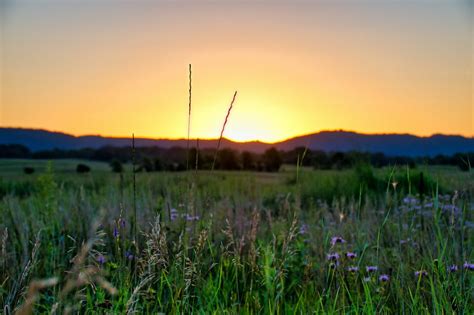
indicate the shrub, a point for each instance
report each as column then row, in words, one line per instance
column 116, row 166
column 28, row 170
column 82, row 168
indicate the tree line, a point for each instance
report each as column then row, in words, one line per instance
column 178, row 159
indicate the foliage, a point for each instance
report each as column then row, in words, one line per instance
column 82, row 168
column 238, row 242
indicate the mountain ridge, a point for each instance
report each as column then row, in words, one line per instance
column 388, row 143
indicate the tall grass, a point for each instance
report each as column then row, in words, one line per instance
column 258, row 246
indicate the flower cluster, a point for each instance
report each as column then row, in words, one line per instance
column 174, row 215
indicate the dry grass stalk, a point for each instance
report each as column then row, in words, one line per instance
column 33, row 292
column 133, row 300
column 223, row 128
column 253, row 238
column 12, row 298
column 189, row 117
column 287, row 251
column 4, row 249
column 156, row 250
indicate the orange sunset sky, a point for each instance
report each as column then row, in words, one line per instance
column 117, row 67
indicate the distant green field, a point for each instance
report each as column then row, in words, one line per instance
column 15, row 166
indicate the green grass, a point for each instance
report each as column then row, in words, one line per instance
column 260, row 244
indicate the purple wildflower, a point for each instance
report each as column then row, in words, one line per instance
column 421, row 273
column 468, row 266
column 453, row 268
column 129, row 255
column 116, row 232
column 384, row 278
column 403, row 242
column 333, row 256
column 121, row 222
column 303, row 229
column 191, row 218
column 353, row 269
column 371, row 268
column 173, row 214
column 351, row 255
column 101, row 259
column 337, row 239
column 410, row 200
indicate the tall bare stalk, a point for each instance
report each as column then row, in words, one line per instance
column 222, row 130
column 189, row 117
column 134, row 189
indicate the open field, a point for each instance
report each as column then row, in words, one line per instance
column 355, row 241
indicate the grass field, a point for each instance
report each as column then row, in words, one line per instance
column 355, row 241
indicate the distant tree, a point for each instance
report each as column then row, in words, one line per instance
column 320, row 160
column 147, row 164
column 272, row 160
column 340, row 160
column 116, row 166
column 28, row 170
column 463, row 161
column 82, row 168
column 228, row 160
column 158, row 165
column 301, row 155
column 378, row 159
column 14, row 151
column 248, row 161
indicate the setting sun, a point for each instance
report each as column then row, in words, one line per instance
column 303, row 74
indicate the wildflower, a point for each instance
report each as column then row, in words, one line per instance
column 394, row 185
column 410, row 200
column 173, row 214
column 116, row 232
column 403, row 242
column 303, row 229
column 371, row 268
column 129, row 255
column 353, row 269
column 468, row 266
column 333, row 256
column 191, row 218
column 384, row 278
column 121, row 222
column 450, row 208
column 421, row 273
column 351, row 255
column 101, row 259
column 337, row 239
column 453, row 268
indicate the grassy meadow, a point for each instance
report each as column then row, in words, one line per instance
column 362, row 240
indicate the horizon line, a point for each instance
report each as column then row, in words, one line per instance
column 237, row 141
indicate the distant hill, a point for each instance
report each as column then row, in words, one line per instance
column 390, row 144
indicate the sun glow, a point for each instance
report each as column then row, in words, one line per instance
column 318, row 68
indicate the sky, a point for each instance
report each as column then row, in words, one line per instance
column 116, row 67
